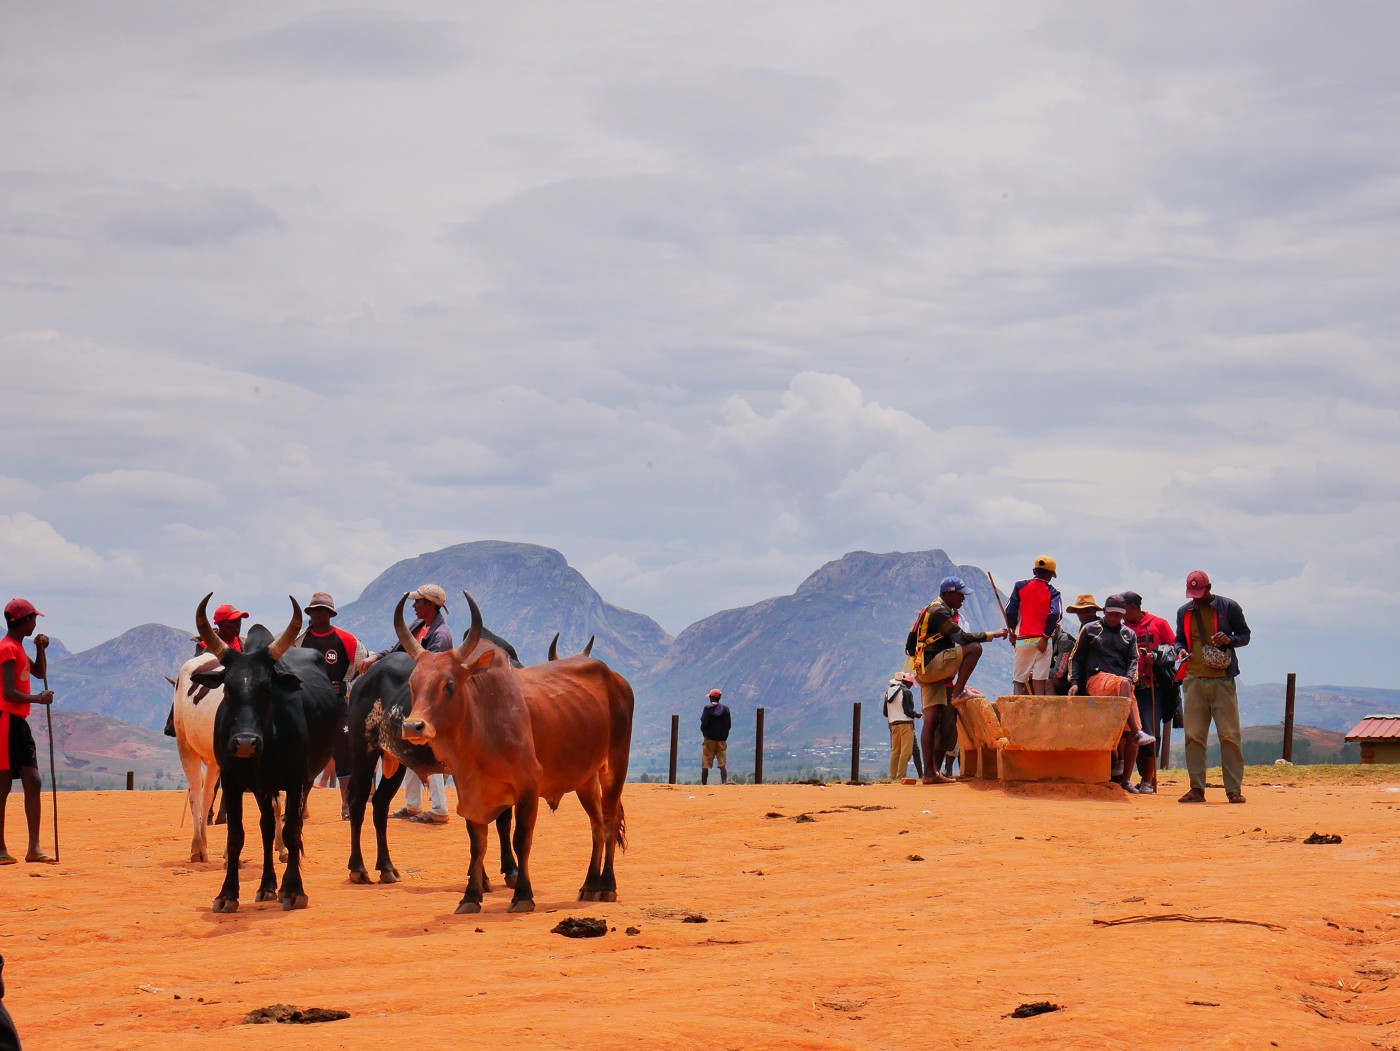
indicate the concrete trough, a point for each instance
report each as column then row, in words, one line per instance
column 1025, row 738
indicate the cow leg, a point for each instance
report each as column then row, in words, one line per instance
column 508, row 866
column 293, row 894
column 615, row 826
column 267, row 824
column 476, row 869
column 527, row 809
column 196, row 775
column 383, row 799
column 361, row 783
column 590, row 798
column 227, row 901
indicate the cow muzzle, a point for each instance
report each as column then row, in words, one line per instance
column 418, row 731
column 245, row 746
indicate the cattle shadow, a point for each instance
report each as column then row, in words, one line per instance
column 493, row 915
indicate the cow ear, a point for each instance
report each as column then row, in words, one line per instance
column 210, row 680
column 482, row 663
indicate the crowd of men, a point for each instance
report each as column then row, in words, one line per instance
column 1117, row 649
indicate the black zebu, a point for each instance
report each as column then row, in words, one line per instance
column 379, row 700
column 274, row 733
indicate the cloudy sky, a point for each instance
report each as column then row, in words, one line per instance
column 704, row 295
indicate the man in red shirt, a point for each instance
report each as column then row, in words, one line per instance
column 17, row 750
column 1151, row 631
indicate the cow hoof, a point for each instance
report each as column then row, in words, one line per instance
column 282, row 856
column 225, row 904
column 525, row 905
column 198, row 857
column 294, row 901
column 509, row 877
column 588, row 895
column 266, row 895
column 359, row 876
column 606, row 895
column 467, row 908
column 389, row 876
column 486, row 887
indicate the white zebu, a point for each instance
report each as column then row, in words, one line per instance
column 194, row 739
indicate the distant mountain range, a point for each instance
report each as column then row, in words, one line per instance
column 804, row 658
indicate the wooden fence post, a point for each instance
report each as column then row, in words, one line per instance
column 758, row 749
column 675, row 743
column 855, row 742
column 1288, row 700
column 131, row 780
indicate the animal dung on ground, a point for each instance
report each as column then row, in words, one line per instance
column 772, row 813
column 580, row 927
column 286, row 1013
column 1036, row 1007
column 803, row 818
column 695, row 917
column 915, row 857
column 632, row 932
column 1320, row 837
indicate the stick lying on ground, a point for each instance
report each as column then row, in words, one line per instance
column 1181, row 917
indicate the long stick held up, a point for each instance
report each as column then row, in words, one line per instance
column 53, row 777
column 1000, row 605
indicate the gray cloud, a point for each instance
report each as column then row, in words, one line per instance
column 184, row 218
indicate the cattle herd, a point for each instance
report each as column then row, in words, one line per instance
column 264, row 721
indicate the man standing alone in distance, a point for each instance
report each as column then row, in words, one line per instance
column 714, row 728
column 17, row 749
column 1033, row 617
column 1209, row 629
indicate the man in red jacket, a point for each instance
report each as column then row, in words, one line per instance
column 18, row 753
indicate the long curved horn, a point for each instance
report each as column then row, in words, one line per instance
column 589, row 648
column 410, row 645
column 214, row 645
column 554, row 647
column 474, row 635
column 288, row 638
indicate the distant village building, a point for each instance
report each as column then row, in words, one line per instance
column 1380, row 738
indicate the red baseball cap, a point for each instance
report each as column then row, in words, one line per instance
column 227, row 612
column 1197, row 584
column 716, row 694
column 19, row 608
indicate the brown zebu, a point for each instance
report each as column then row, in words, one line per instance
column 515, row 736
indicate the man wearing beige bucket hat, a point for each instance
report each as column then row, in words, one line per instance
column 344, row 657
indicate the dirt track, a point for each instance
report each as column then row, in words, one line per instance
column 821, row 934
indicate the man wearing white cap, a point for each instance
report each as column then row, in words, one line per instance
column 432, row 630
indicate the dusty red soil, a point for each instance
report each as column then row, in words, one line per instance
column 821, row 934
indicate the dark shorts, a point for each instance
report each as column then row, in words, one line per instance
column 942, row 725
column 17, row 748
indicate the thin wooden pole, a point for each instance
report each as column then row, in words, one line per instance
column 675, row 744
column 53, row 777
column 131, row 780
column 1288, row 702
column 855, row 742
column 758, row 749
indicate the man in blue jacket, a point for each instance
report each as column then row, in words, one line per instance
column 1209, row 629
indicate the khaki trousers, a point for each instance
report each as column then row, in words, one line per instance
column 901, row 748
column 1206, row 700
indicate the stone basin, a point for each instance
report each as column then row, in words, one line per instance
column 1024, row 738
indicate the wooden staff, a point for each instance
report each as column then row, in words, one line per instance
column 53, row 777
column 1002, row 607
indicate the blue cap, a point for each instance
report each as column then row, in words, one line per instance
column 953, row 584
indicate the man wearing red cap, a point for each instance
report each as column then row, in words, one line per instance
column 714, row 728
column 17, row 749
column 228, row 625
column 1209, row 629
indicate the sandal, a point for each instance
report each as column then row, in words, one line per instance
column 1235, row 797
column 1193, row 796
column 427, row 817
column 8, row 859
column 42, row 859
column 404, row 812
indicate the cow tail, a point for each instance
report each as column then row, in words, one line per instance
column 621, row 826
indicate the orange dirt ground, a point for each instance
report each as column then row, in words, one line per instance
column 899, row 917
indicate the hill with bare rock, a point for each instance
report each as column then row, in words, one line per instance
column 526, row 594
column 123, row 678
column 807, row 656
